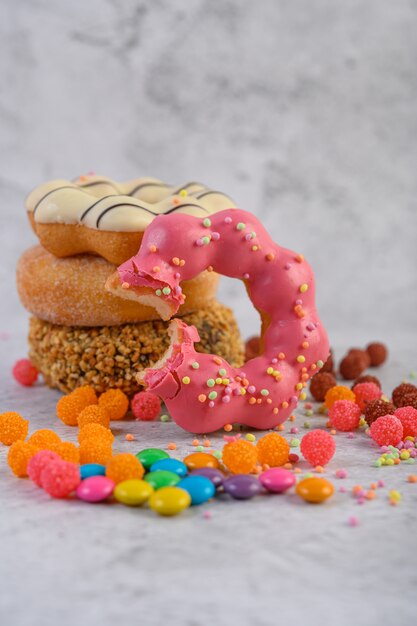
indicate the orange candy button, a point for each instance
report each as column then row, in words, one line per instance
column 197, row 460
column 314, row 489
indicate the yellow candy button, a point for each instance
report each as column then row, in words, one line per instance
column 133, row 492
column 314, row 489
column 169, row 501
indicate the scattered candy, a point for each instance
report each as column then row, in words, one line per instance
column 378, row 353
column 377, row 408
column 95, row 489
column 133, row 492
column 318, row 447
column 314, row 489
column 12, row 428
column 387, row 430
column 277, row 480
column 273, row 450
column 115, row 403
column 366, row 392
column 240, row 456
column 146, row 406
column 340, row 392
column 169, row 501
column 345, row 415
column 320, row 385
column 25, row 373
column 242, row 486
column 408, row 418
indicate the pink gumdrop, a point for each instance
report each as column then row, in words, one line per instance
column 387, row 430
column 38, row 462
column 365, row 392
column 408, row 418
column 277, row 479
column 146, row 406
column 95, row 489
column 318, row 447
column 60, row 478
column 344, row 415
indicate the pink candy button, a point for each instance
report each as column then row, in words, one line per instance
column 277, row 479
column 95, row 489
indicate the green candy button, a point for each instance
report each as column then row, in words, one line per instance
column 150, row 455
column 162, row 478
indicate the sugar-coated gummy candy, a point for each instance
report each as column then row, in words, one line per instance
column 169, row 501
column 277, row 479
column 387, row 430
column 94, row 414
column 12, row 428
column 366, row 392
column 44, row 439
column 318, row 447
column 92, row 469
column 95, row 431
column 339, row 392
column 70, row 406
column 146, row 406
column 95, row 489
column 148, row 456
column 240, row 456
column 172, row 465
column 60, row 478
column 314, row 489
column 408, row 418
column 344, row 415
column 133, row 492
column 25, row 373
column 67, row 451
column 200, row 488
column 19, row 454
column 242, row 486
column 95, row 451
column 162, row 478
column 123, row 467
column 38, row 462
column 201, row 459
column 115, row 402
column 273, row 450
column 216, row 476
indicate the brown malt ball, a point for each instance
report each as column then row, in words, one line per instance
column 361, row 354
column 320, row 385
column 367, row 378
column 351, row 367
column 328, row 364
column 408, row 399
column 402, row 390
column 377, row 408
column 377, row 353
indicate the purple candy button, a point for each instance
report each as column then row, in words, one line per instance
column 95, row 489
column 277, row 479
column 242, row 486
column 215, row 475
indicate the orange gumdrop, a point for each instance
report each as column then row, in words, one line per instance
column 273, row 450
column 339, row 392
column 44, row 439
column 94, row 414
column 240, row 456
column 124, row 466
column 19, row 455
column 115, row 402
column 69, row 407
column 95, row 451
column 95, row 431
column 12, row 428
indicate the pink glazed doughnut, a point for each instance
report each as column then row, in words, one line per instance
column 202, row 391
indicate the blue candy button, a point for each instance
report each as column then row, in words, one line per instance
column 92, row 469
column 171, row 465
column 200, row 488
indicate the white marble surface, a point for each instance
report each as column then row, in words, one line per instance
column 305, row 113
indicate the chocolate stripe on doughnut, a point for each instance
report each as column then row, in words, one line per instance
column 209, row 192
column 114, row 206
column 144, row 185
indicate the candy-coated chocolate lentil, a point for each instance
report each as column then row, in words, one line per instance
column 216, row 476
column 133, row 492
column 172, row 465
column 197, row 460
column 149, row 456
column 162, row 478
column 277, row 479
column 95, row 489
column 92, row 469
column 169, row 501
column 242, row 486
column 314, row 489
column 200, row 488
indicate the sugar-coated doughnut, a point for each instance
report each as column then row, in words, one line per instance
column 71, row 291
column 204, row 392
column 98, row 215
column 110, row 356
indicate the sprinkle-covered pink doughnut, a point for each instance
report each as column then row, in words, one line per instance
column 202, row 391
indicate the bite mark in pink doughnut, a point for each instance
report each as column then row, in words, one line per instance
column 202, row 391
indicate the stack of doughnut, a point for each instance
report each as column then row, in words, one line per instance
column 84, row 333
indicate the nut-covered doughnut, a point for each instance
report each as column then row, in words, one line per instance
column 97, row 215
column 204, row 392
column 71, row 291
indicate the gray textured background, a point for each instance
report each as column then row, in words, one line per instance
column 303, row 111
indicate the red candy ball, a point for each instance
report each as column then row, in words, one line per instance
column 146, row 406
column 318, row 447
column 366, row 392
column 408, row 418
column 25, row 373
column 387, row 430
column 38, row 462
column 60, row 478
column 344, row 415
